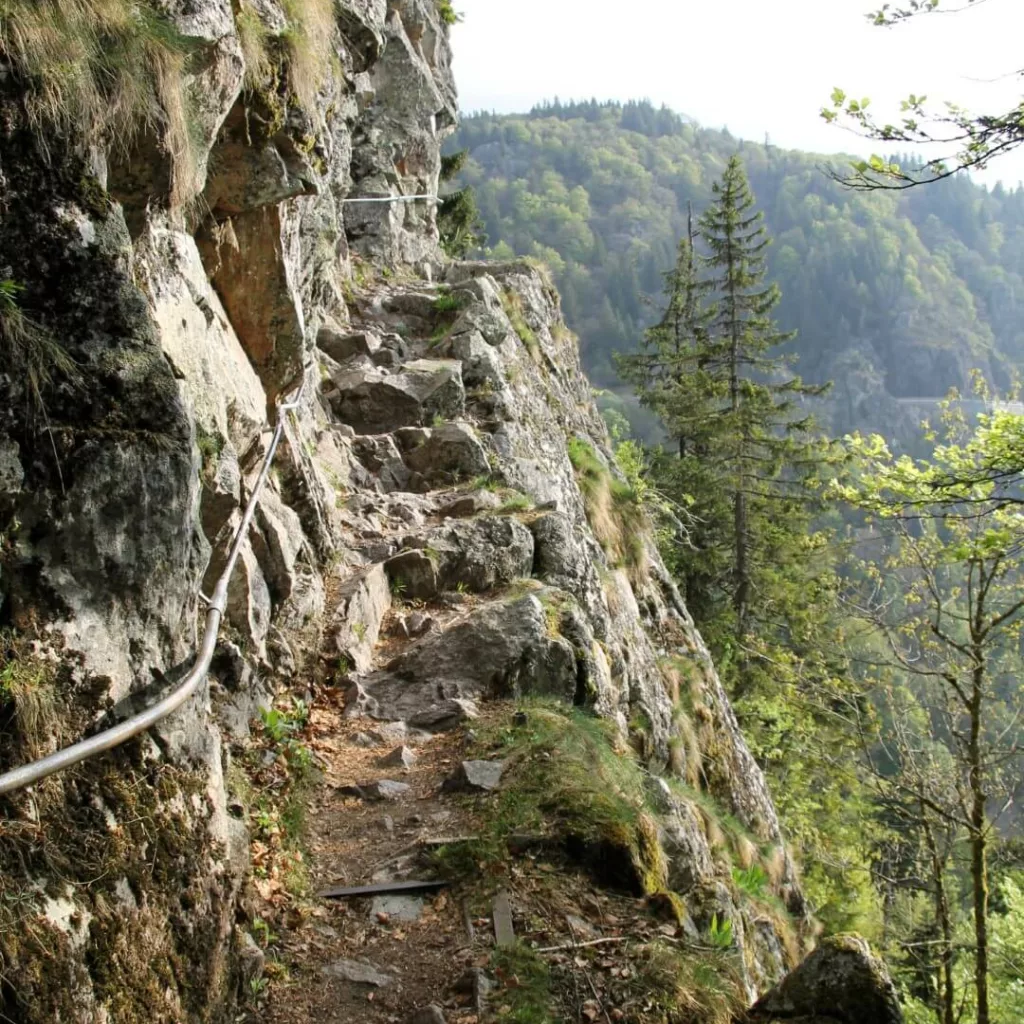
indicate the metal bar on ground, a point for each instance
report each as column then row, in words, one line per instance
column 382, row 889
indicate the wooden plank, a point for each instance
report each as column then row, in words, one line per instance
column 504, row 935
column 338, row 892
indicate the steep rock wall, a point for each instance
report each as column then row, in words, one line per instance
column 429, row 459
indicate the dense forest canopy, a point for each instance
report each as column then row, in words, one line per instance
column 895, row 296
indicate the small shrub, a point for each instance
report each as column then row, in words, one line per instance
column 448, row 13
column 720, row 933
column 527, row 995
column 753, row 880
column 446, row 302
column 210, row 446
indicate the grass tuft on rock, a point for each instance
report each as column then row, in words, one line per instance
column 614, row 510
column 572, row 781
column 512, row 303
column 679, row 988
column 103, row 68
column 28, row 704
column 30, row 352
column 309, row 38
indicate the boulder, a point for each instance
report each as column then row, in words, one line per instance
column 341, row 345
column 278, row 544
column 501, row 649
column 481, row 363
column 479, row 554
column 380, row 789
column 413, row 575
column 482, row 775
column 373, row 401
column 840, row 981
column 222, row 491
column 400, row 757
column 432, row 1014
column 470, row 505
column 363, row 600
column 446, row 714
column 450, row 453
column 356, row 972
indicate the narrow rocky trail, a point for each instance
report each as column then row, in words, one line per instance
column 486, row 572
column 425, row 958
column 415, row 944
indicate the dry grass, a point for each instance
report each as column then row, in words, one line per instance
column 27, row 690
column 254, row 37
column 30, row 351
column 614, row 511
column 309, row 38
column 103, row 68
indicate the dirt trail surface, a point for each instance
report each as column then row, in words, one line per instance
column 362, row 959
column 351, row 841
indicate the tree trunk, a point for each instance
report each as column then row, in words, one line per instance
column 741, row 595
column 947, row 996
column 979, row 844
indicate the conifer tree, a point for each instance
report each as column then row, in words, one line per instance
column 744, row 460
column 764, row 439
column 458, row 218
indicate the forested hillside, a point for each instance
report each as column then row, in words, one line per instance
column 895, row 295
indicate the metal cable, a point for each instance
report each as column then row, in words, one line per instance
column 385, row 199
column 28, row 774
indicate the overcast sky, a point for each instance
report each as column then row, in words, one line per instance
column 755, row 66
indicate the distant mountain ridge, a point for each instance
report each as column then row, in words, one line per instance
column 895, row 295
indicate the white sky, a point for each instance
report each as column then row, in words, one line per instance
column 754, row 66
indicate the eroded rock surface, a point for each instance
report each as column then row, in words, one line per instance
column 841, row 981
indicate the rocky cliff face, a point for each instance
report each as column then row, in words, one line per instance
column 444, row 524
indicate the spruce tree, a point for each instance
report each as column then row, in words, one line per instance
column 759, row 577
column 458, row 218
column 765, row 442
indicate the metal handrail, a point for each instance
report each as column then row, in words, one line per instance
column 35, row 771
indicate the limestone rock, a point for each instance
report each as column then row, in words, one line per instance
column 432, row 1014
column 479, row 554
column 400, row 757
column 251, row 260
column 222, row 491
column 356, row 972
column 396, row 908
column 380, row 789
column 502, row 649
column 373, row 401
column 470, row 505
column 413, row 574
column 363, row 600
column 841, row 980
column 341, row 345
column 449, row 454
column 444, row 715
column 482, row 775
